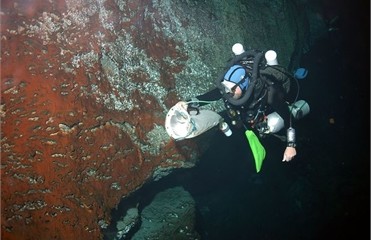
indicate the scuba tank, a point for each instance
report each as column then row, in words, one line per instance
column 299, row 109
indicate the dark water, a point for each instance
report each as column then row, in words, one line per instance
column 325, row 192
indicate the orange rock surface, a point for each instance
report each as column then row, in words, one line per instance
column 68, row 154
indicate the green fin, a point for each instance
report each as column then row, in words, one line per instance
column 257, row 149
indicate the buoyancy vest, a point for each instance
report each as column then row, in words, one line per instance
column 264, row 82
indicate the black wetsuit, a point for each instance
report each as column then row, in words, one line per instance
column 269, row 95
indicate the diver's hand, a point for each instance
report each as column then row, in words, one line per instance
column 191, row 109
column 193, row 106
column 187, row 107
column 194, row 102
column 289, row 154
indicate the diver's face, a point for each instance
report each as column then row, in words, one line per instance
column 230, row 88
column 237, row 93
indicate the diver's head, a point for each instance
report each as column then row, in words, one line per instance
column 235, row 81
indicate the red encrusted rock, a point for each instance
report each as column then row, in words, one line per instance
column 68, row 154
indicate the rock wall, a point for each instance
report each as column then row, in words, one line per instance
column 85, row 87
column 171, row 214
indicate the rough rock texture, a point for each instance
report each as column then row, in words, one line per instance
column 127, row 223
column 171, row 215
column 85, row 87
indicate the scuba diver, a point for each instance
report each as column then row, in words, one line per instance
column 254, row 89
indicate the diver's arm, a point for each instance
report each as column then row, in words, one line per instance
column 290, row 151
column 276, row 99
column 279, row 105
column 283, row 110
column 212, row 95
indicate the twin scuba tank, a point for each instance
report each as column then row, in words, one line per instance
column 274, row 122
column 298, row 110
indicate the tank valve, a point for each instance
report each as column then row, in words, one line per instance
column 224, row 127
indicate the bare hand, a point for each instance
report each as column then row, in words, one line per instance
column 289, row 154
